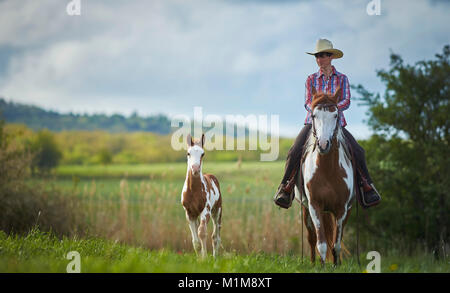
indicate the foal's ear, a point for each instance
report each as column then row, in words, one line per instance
column 203, row 139
column 189, row 140
column 337, row 94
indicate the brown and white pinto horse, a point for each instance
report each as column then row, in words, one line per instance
column 328, row 179
column 201, row 199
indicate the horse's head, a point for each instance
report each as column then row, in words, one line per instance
column 195, row 154
column 325, row 119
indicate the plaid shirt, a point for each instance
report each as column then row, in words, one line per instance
column 319, row 81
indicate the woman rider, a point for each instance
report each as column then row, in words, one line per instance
column 327, row 79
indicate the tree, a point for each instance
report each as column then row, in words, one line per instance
column 47, row 153
column 409, row 156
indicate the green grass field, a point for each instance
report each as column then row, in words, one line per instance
column 43, row 252
column 135, row 223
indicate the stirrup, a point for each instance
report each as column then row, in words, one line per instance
column 364, row 203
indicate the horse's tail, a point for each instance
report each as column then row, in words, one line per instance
column 329, row 225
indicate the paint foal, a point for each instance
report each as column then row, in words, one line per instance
column 201, row 199
column 328, row 179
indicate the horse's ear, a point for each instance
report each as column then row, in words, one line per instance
column 337, row 94
column 189, row 140
column 313, row 91
column 203, row 139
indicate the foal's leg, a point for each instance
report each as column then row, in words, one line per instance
column 193, row 225
column 202, row 234
column 316, row 216
column 217, row 223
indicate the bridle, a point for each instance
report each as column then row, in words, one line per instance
column 336, row 128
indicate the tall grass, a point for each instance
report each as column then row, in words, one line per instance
column 148, row 212
column 141, row 205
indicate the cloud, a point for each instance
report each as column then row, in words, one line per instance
column 227, row 56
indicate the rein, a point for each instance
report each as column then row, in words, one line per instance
column 357, row 232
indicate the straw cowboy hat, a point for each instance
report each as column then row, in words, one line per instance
column 323, row 45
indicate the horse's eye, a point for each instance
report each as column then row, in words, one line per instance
column 188, row 154
column 203, row 154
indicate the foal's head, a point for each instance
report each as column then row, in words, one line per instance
column 325, row 119
column 195, row 154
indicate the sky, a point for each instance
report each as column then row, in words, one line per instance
column 229, row 57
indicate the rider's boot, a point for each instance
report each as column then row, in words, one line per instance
column 285, row 193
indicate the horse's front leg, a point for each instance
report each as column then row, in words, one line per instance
column 311, row 233
column 317, row 218
column 337, row 243
column 340, row 223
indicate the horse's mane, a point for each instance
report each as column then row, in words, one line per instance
column 322, row 99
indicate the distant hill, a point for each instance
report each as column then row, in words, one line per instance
column 37, row 118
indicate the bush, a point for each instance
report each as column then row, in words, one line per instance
column 22, row 206
column 104, row 156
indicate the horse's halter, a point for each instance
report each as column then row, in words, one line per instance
column 336, row 128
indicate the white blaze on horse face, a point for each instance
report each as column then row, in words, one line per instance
column 194, row 157
column 324, row 123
